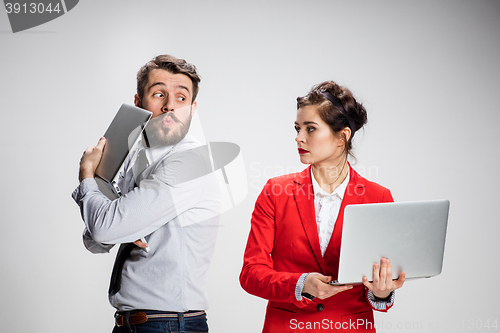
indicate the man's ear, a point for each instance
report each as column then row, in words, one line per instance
column 194, row 106
column 137, row 101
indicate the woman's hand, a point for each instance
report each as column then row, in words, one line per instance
column 317, row 285
column 383, row 284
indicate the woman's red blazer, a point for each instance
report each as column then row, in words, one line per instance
column 283, row 243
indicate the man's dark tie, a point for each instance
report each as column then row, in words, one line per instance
column 140, row 165
column 116, row 275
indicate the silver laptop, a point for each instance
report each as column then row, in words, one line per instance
column 410, row 234
column 125, row 129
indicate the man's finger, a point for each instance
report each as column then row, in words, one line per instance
column 141, row 244
column 101, row 143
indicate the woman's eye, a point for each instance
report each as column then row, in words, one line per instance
column 310, row 129
column 297, row 129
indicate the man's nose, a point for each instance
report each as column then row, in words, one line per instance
column 169, row 105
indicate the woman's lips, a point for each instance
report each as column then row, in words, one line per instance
column 302, row 151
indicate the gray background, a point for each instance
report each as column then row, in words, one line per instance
column 427, row 72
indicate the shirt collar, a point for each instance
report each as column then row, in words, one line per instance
column 340, row 190
column 155, row 153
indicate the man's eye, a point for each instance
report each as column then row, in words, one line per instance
column 158, row 95
column 181, row 98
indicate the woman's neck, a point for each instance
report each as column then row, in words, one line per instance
column 330, row 176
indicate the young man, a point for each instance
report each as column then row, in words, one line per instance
column 170, row 197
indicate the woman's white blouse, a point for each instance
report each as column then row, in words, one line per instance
column 327, row 208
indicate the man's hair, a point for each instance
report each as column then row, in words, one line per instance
column 170, row 64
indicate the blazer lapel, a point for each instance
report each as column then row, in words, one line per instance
column 353, row 195
column 304, row 198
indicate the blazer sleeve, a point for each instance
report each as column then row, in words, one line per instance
column 387, row 196
column 258, row 276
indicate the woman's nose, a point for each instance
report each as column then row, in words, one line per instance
column 299, row 137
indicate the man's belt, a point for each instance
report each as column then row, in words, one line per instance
column 137, row 318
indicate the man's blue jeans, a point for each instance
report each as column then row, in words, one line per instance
column 168, row 325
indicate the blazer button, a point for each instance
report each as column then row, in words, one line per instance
column 320, row 307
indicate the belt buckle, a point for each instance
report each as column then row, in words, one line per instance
column 119, row 320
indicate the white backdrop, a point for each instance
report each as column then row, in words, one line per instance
column 427, row 72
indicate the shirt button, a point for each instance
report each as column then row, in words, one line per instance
column 320, row 307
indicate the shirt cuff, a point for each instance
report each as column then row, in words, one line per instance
column 299, row 286
column 378, row 304
column 86, row 185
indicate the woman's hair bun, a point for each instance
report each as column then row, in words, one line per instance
column 353, row 116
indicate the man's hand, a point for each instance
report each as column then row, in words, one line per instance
column 141, row 244
column 317, row 285
column 383, row 284
column 90, row 160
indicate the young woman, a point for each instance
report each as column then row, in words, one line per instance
column 294, row 244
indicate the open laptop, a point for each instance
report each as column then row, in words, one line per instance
column 123, row 131
column 410, row 234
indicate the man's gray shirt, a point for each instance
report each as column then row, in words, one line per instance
column 176, row 206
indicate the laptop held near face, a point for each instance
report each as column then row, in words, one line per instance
column 410, row 234
column 123, row 131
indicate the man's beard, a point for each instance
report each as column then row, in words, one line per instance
column 158, row 135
